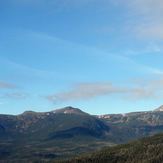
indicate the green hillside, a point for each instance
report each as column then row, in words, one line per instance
column 146, row 150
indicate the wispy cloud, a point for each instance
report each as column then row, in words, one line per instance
column 10, row 94
column 85, row 91
column 151, row 48
column 148, row 17
column 15, row 95
column 23, row 72
column 151, row 30
column 148, row 6
column 6, row 85
column 147, row 89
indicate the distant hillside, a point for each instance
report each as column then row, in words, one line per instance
column 130, row 126
column 58, row 123
column 147, row 150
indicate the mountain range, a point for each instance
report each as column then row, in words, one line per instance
column 67, row 132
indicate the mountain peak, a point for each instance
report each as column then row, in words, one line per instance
column 28, row 112
column 159, row 108
column 69, row 110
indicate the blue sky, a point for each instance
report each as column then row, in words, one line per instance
column 102, row 56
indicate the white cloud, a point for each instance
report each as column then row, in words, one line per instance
column 85, row 91
column 151, row 89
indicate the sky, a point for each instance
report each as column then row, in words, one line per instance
column 102, row 56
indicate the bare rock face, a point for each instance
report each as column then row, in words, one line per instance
column 70, row 110
column 159, row 109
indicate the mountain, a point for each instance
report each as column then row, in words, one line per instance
column 159, row 108
column 69, row 131
column 146, row 150
column 50, row 135
column 70, row 110
column 126, row 127
column 54, row 123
